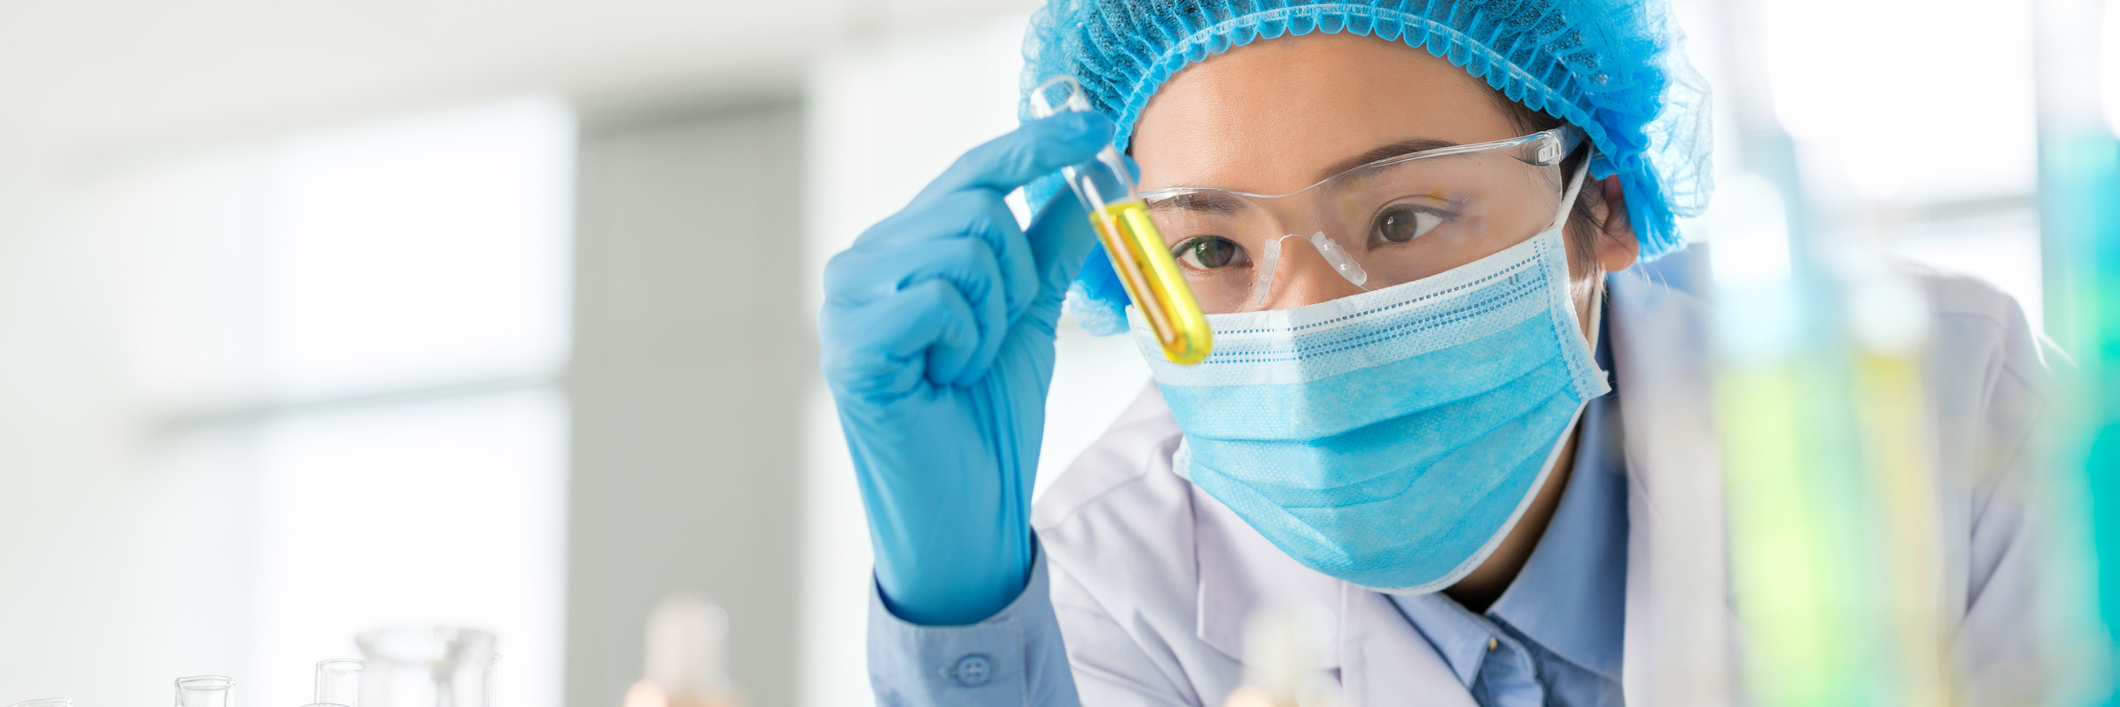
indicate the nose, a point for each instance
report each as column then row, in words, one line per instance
column 1303, row 276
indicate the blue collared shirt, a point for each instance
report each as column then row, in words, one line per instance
column 1556, row 635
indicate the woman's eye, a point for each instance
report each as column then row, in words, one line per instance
column 1400, row 224
column 1210, row 252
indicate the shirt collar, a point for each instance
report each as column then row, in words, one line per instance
column 1460, row 636
column 1570, row 598
column 1571, row 595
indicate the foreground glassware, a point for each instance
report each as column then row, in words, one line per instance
column 429, row 666
column 1138, row 252
column 1282, row 647
column 206, row 691
column 338, row 682
column 2078, row 60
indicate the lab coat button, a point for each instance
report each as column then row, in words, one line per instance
column 972, row 670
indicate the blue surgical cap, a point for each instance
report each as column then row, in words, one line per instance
column 1614, row 68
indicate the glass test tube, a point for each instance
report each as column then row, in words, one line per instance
column 206, row 691
column 338, row 682
column 1136, row 247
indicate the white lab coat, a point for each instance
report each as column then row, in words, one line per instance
column 1152, row 579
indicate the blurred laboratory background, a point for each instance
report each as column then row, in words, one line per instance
column 320, row 316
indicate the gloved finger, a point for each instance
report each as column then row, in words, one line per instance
column 1036, row 149
column 980, row 214
column 969, row 266
column 972, row 267
column 965, row 264
column 959, row 335
column 880, row 351
column 875, row 270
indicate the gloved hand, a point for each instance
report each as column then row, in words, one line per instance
column 937, row 336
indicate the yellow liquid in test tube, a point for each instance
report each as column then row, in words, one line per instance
column 1153, row 281
column 1143, row 262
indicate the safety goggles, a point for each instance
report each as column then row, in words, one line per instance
column 1381, row 224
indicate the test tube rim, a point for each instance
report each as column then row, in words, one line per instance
column 198, row 682
column 1039, row 103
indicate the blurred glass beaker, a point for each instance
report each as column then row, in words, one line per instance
column 433, row 666
column 338, row 682
column 206, row 691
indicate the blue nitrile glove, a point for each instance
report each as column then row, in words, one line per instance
column 937, row 334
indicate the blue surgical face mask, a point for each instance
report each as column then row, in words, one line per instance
column 1392, row 438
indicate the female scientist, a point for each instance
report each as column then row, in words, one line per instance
column 1442, row 402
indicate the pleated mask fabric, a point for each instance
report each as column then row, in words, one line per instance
column 1392, row 438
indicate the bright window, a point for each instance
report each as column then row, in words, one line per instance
column 397, row 315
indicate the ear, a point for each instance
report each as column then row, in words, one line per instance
column 1617, row 247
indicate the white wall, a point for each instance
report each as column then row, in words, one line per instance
column 693, row 354
column 111, row 76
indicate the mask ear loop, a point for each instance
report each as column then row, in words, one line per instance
column 1568, row 195
column 1560, row 223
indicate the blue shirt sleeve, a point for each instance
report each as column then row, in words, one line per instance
column 1015, row 657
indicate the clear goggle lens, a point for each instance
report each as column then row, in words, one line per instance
column 1381, row 224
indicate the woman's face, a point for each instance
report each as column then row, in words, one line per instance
column 1276, row 116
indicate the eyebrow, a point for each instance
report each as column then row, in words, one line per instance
column 1402, row 147
column 1209, row 202
column 1223, row 204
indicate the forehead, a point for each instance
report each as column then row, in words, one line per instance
column 1269, row 116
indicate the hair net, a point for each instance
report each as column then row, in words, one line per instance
column 1614, row 68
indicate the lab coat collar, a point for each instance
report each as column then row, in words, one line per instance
column 1240, row 572
column 1381, row 658
column 1385, row 661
